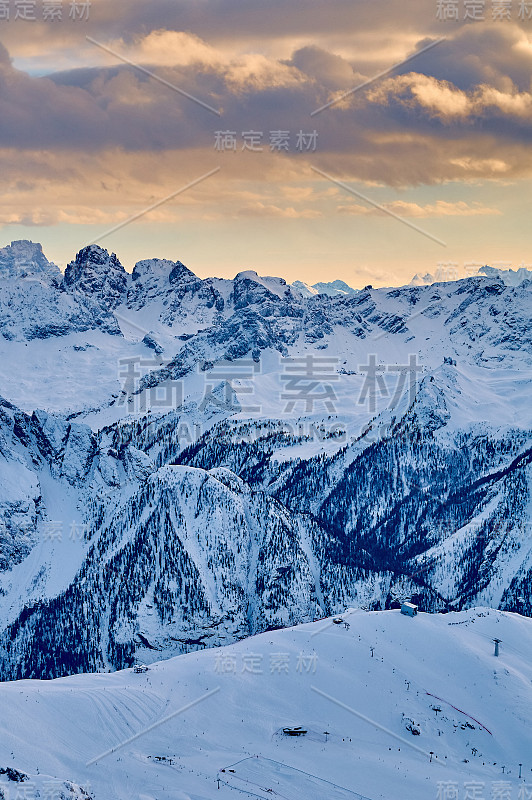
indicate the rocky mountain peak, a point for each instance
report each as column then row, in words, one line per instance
column 181, row 274
column 25, row 259
column 97, row 274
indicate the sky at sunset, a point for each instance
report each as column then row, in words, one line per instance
column 442, row 143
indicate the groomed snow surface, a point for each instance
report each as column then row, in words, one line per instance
column 376, row 699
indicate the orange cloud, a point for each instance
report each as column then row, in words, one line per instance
column 442, row 208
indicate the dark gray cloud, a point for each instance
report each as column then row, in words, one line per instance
column 330, row 70
column 494, row 54
column 235, row 23
column 402, row 130
column 217, row 20
column 93, row 109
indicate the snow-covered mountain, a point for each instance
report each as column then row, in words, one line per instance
column 187, row 462
column 510, row 277
column 392, row 707
column 332, row 289
column 24, row 259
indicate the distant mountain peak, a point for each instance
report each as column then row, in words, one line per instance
column 510, row 277
column 25, row 259
column 335, row 288
column 305, row 289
